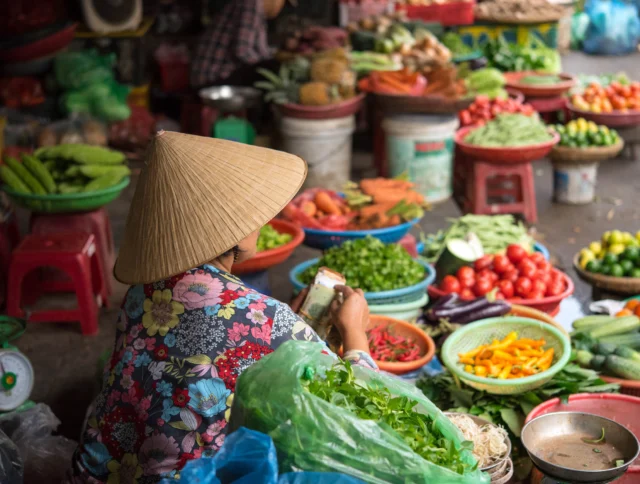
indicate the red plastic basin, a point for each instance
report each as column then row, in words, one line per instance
column 337, row 110
column 507, row 155
column 623, row 409
column 268, row 258
column 40, row 48
column 549, row 305
column 612, row 120
column 534, row 90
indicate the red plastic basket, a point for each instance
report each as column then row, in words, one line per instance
column 40, row 48
column 621, row 408
column 534, row 90
column 268, row 258
column 549, row 305
column 612, row 120
column 447, row 14
column 507, row 155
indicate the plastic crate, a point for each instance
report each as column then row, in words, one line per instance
column 482, row 32
column 447, row 14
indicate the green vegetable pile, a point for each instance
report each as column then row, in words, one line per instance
column 370, row 265
column 66, row 168
column 488, row 81
column 540, row 80
column 510, row 411
column 374, row 402
column 533, row 56
column 270, row 238
column 507, row 130
column 456, row 45
column 495, row 232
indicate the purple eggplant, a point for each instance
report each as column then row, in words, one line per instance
column 457, row 311
column 492, row 310
column 444, row 302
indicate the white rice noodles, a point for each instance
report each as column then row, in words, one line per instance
column 489, row 441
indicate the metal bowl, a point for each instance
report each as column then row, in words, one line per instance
column 481, row 422
column 542, row 431
column 229, row 98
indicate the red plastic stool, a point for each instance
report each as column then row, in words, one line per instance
column 73, row 253
column 487, row 189
column 96, row 223
column 548, row 107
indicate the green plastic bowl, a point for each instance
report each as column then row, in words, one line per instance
column 409, row 312
column 65, row 203
column 482, row 332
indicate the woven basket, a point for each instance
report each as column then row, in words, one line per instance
column 396, row 104
column 618, row 285
column 592, row 154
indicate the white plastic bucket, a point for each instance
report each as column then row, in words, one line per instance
column 423, row 146
column 574, row 184
column 325, row 144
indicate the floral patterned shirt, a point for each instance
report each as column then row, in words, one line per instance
column 180, row 346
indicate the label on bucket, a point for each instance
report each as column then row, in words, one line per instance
column 574, row 184
column 428, row 164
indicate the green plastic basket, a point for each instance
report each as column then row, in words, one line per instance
column 482, row 332
column 65, row 203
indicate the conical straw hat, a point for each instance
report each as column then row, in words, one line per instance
column 198, row 197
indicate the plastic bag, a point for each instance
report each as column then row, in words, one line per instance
column 11, row 468
column 614, row 27
column 579, row 26
column 46, row 457
column 313, row 435
column 250, row 457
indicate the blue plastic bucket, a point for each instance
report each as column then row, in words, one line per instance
column 324, row 239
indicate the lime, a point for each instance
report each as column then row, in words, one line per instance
column 617, row 270
column 616, row 237
column 628, row 266
column 606, row 269
column 635, row 273
column 631, row 254
column 610, row 259
column 594, row 266
column 617, row 248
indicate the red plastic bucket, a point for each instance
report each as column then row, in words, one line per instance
column 623, row 409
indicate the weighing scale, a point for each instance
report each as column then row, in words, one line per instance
column 229, row 101
column 16, row 372
column 540, row 434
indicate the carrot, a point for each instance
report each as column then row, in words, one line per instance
column 376, row 208
column 309, row 208
column 624, row 312
column 434, row 87
column 325, row 203
column 394, row 220
column 396, row 196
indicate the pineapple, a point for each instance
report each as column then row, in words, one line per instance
column 318, row 94
column 281, row 88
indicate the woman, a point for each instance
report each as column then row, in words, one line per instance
column 188, row 328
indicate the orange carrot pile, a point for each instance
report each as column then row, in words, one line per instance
column 397, row 82
column 508, row 359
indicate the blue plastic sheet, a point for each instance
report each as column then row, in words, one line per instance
column 249, row 457
column 614, row 27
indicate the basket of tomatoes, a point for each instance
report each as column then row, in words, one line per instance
column 517, row 276
column 615, row 105
column 484, row 109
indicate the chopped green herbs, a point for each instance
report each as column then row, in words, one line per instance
column 370, row 401
column 270, row 238
column 370, row 265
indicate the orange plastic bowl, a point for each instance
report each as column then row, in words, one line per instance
column 402, row 328
column 268, row 258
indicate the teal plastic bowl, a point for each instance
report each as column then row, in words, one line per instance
column 66, row 203
column 408, row 312
column 396, row 296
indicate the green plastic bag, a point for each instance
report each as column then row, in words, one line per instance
column 311, row 434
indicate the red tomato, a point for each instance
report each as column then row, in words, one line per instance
column 544, row 266
column 483, row 262
column 544, row 277
column 511, row 275
column 528, row 268
column 506, row 288
column 539, row 286
column 466, row 272
column 467, row 295
column 523, row 286
column 499, row 296
column 537, row 257
column 482, row 100
column 465, row 117
column 488, row 274
column 535, row 295
column 516, row 299
column 501, row 264
column 555, row 288
column 557, row 276
column 482, row 287
column 467, row 282
column 450, row 284
column 516, row 253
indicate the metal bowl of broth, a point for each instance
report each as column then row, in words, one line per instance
column 579, row 447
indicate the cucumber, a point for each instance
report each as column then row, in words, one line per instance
column 597, row 362
column 589, row 322
column 626, row 352
column 632, row 340
column 617, row 326
column 584, row 358
column 623, row 367
column 604, row 349
column 456, row 254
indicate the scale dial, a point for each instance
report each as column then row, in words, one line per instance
column 16, row 379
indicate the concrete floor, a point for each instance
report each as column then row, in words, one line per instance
column 65, row 362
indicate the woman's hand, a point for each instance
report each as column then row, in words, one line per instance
column 296, row 302
column 351, row 317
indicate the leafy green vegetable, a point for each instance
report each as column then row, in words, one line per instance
column 509, row 130
column 419, row 431
column 370, row 265
column 270, row 238
column 532, row 56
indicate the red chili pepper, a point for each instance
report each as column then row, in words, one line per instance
column 385, row 346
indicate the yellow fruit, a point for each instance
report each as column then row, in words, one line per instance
column 585, row 259
column 596, row 108
column 627, row 238
column 617, row 249
column 638, row 235
column 586, row 252
column 604, row 129
column 582, row 125
column 593, row 127
column 605, row 238
column 595, row 247
column 616, row 238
